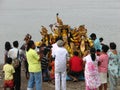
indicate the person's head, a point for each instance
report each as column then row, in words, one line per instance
column 9, row 60
column 112, row 45
column 60, row 43
column 105, row 48
column 31, row 45
column 15, row 44
column 27, row 38
column 76, row 53
column 101, row 39
column 92, row 53
column 98, row 52
column 7, row 46
column 93, row 36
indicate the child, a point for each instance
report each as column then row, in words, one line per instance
column 103, row 67
column 76, row 67
column 8, row 70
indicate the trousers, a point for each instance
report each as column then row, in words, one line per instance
column 60, row 80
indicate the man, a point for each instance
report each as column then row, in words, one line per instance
column 27, row 38
column 13, row 54
column 34, row 67
column 97, row 44
column 61, row 57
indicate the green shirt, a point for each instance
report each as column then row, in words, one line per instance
column 34, row 64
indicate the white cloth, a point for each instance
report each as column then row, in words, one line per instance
column 61, row 56
column 103, row 77
column 13, row 53
column 60, row 81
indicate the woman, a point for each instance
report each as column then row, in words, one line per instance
column 34, row 67
column 113, row 66
column 7, row 48
column 92, row 78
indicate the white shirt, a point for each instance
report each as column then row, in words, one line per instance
column 13, row 53
column 61, row 56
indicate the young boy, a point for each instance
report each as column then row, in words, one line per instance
column 8, row 70
column 76, row 67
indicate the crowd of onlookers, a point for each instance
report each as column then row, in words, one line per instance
column 53, row 64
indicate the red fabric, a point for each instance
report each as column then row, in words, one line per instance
column 9, row 83
column 76, row 64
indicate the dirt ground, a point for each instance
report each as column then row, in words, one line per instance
column 80, row 85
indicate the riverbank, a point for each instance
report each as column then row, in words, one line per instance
column 80, row 85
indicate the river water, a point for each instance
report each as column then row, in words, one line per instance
column 19, row 17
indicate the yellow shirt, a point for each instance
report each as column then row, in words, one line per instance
column 8, row 70
column 34, row 64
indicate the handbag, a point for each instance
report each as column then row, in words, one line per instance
column 16, row 61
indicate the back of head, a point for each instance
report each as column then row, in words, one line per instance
column 9, row 60
column 60, row 43
column 92, row 52
column 101, row 39
column 7, row 46
column 112, row 45
column 76, row 53
column 93, row 36
column 15, row 44
column 30, row 44
column 105, row 48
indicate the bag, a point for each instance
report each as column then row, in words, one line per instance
column 16, row 61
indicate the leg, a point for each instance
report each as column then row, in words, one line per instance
column 38, row 80
column 105, row 86
column 63, row 80
column 26, row 69
column 100, row 87
column 72, row 75
column 11, row 88
column 57, row 81
column 113, row 82
column 31, row 82
column 4, row 88
column 17, row 78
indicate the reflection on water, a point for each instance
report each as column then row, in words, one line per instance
column 18, row 17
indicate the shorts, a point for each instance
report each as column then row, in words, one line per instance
column 9, row 83
column 103, row 78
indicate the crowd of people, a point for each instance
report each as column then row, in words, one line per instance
column 53, row 63
column 68, row 52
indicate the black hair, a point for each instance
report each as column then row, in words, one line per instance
column 105, row 48
column 30, row 44
column 112, row 45
column 7, row 46
column 15, row 44
column 92, row 52
column 98, row 50
column 75, row 53
column 93, row 36
column 101, row 39
column 9, row 60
